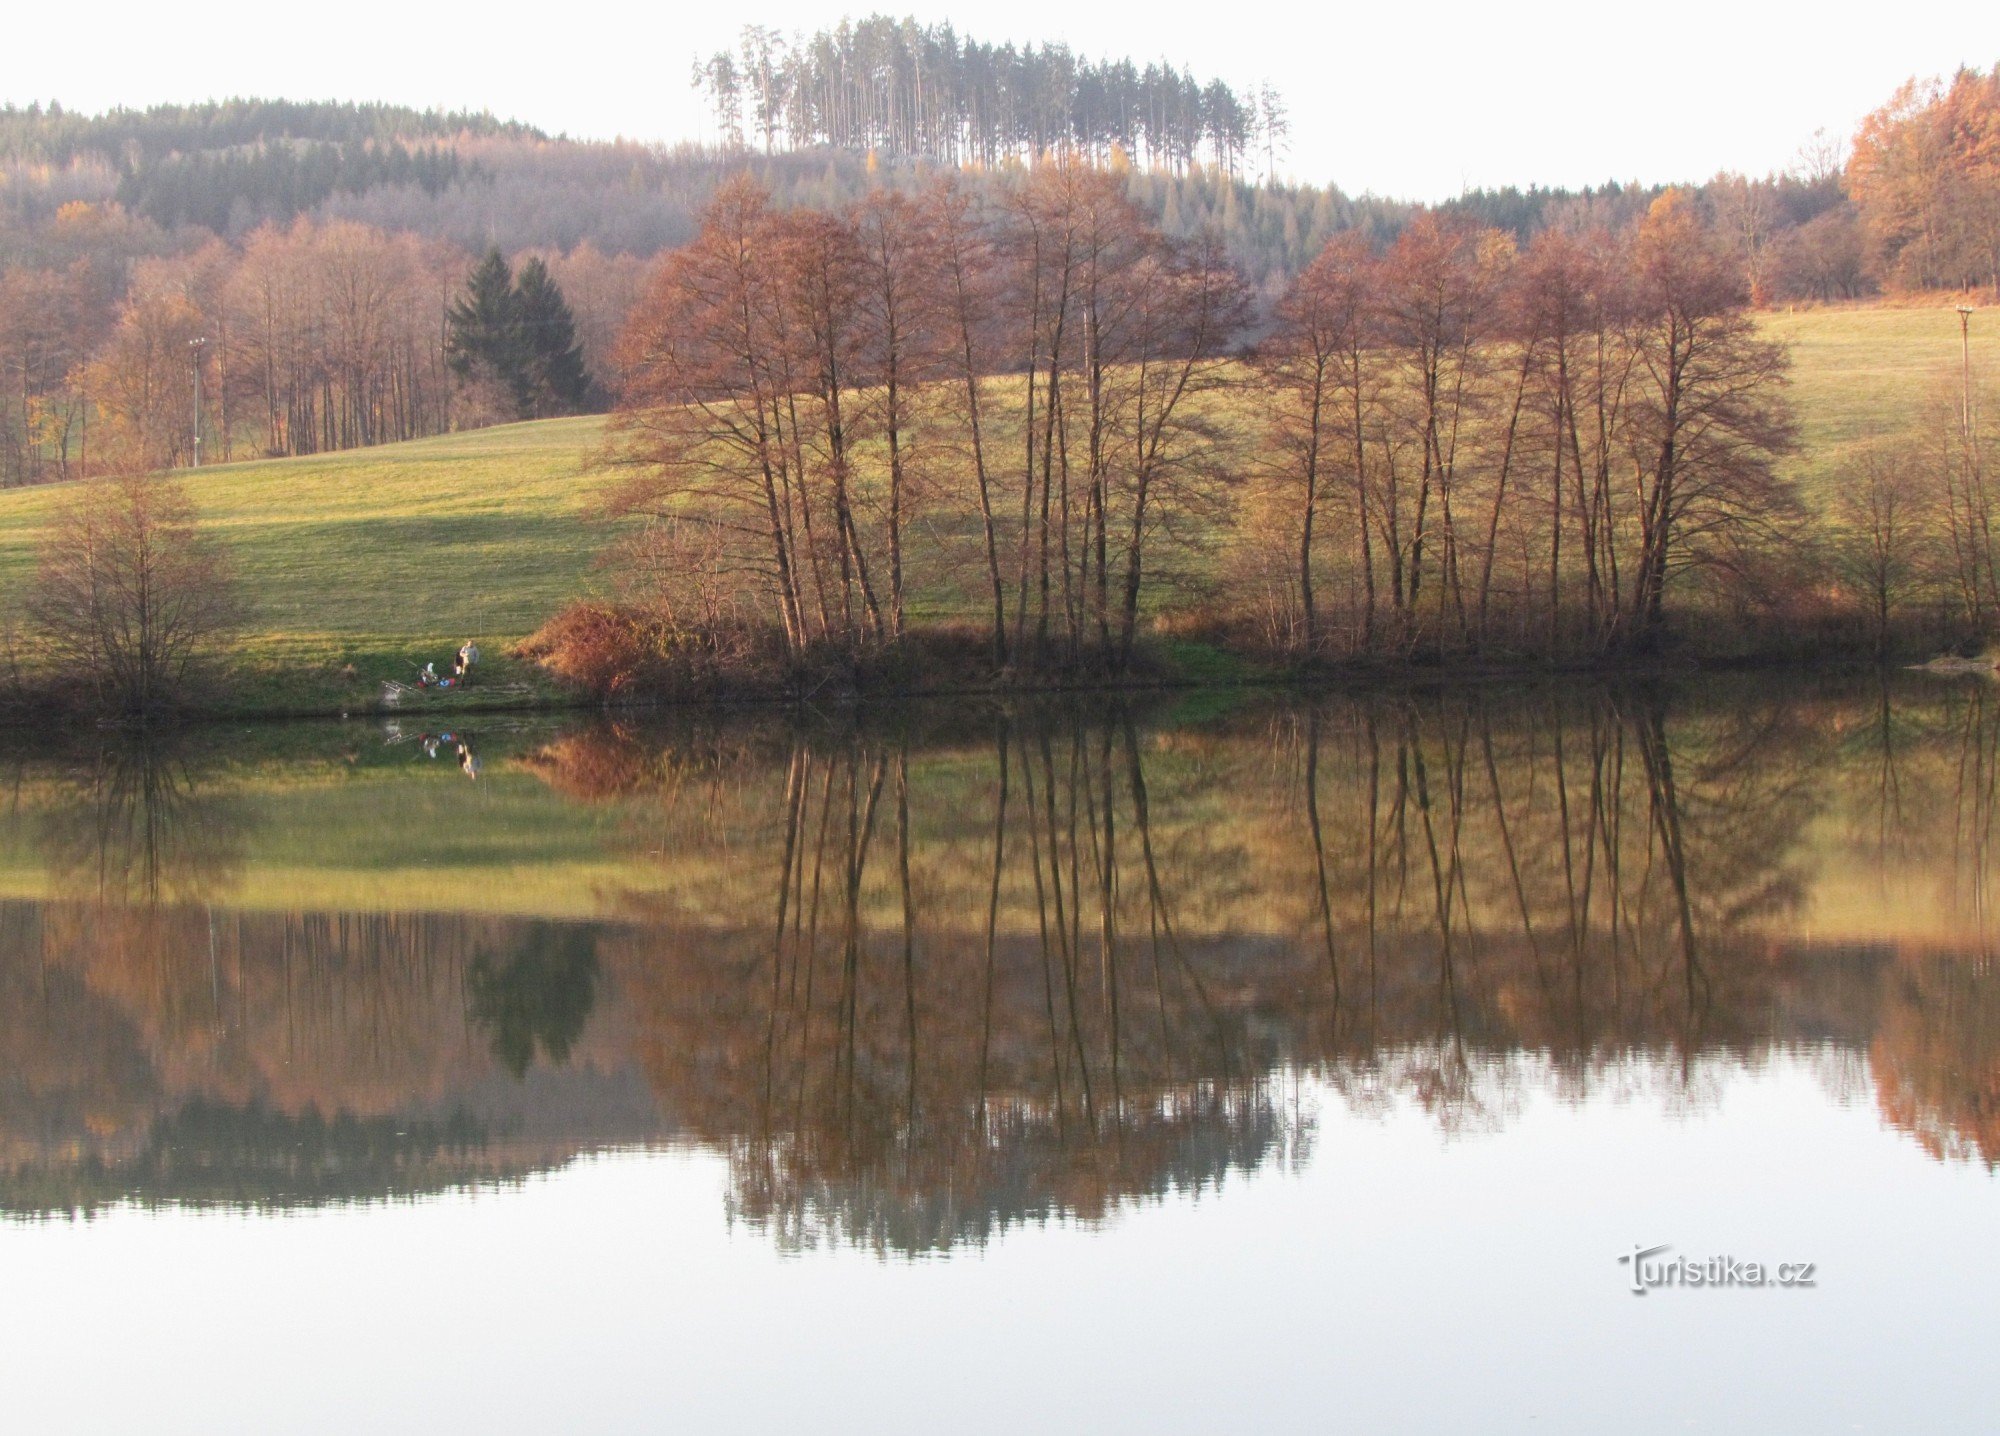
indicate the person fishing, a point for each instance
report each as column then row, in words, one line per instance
column 468, row 654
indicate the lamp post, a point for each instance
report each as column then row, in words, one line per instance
column 195, row 347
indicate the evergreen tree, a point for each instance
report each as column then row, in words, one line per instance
column 485, row 337
column 556, row 380
column 520, row 334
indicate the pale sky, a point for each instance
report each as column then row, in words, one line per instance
column 1417, row 101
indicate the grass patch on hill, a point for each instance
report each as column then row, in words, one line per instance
column 359, row 565
column 1869, row 372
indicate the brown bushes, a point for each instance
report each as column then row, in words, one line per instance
column 602, row 648
column 630, row 653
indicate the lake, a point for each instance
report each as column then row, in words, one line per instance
column 1560, row 1058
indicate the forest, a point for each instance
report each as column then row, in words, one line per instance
column 374, row 216
column 880, row 83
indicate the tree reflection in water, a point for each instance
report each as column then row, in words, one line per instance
column 537, row 993
column 1086, row 973
column 137, row 824
column 922, row 983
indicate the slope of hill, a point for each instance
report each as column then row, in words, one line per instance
column 1868, row 373
column 383, row 557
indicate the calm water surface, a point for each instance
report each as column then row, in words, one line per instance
column 1292, row 1067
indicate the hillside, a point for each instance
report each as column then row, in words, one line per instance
column 181, row 176
column 381, row 557
column 1868, row 372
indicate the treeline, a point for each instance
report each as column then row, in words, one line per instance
column 49, row 134
column 821, row 121
column 1445, row 445
column 305, row 339
column 488, row 184
column 176, row 178
column 229, row 191
column 1912, row 205
column 882, row 83
column 1926, row 176
column 81, row 268
column 229, row 166
column 311, row 338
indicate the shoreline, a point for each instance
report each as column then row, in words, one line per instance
column 1348, row 676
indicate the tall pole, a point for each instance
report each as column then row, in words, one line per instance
column 194, row 347
column 1965, row 372
column 1975, row 486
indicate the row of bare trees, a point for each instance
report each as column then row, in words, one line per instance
column 310, row 338
column 319, row 336
column 815, row 394
column 1476, row 446
column 1037, row 410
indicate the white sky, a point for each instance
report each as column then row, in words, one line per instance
column 1409, row 100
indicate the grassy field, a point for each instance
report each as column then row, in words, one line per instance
column 1866, row 373
column 361, row 564
column 379, row 558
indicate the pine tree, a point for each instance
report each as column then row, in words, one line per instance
column 485, row 335
column 520, row 334
column 486, row 338
column 556, row 380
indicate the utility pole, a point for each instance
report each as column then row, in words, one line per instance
column 1965, row 371
column 195, row 348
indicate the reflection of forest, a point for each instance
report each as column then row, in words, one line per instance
column 920, row 988
column 211, row 1055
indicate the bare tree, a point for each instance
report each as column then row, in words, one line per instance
column 1885, row 525
column 130, row 596
column 701, row 425
column 1309, row 366
column 969, row 281
column 1711, row 420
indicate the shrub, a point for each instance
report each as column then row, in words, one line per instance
column 603, row 648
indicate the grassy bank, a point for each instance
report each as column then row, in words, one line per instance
column 358, row 566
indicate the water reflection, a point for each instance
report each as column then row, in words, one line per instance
column 139, row 823
column 534, row 992
column 924, row 979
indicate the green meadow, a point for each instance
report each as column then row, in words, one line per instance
column 360, row 565
column 1869, row 373
column 379, row 559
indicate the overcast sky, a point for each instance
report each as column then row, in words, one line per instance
column 1414, row 100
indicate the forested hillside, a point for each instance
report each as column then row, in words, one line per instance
column 303, row 258
column 910, row 89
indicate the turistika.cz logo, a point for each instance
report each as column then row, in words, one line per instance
column 1714, row 1271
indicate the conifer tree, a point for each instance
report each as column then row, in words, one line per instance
column 556, row 380
column 486, row 337
column 519, row 332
